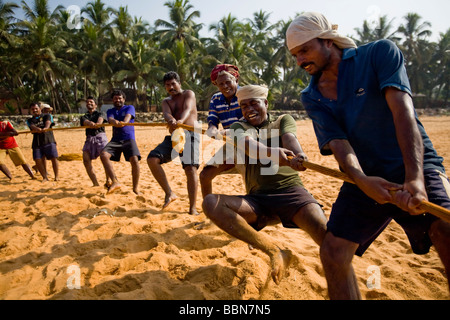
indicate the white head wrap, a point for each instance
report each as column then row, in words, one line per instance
column 46, row 106
column 311, row 25
column 252, row 92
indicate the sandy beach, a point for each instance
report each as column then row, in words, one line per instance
column 70, row 240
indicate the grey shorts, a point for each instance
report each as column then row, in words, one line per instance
column 128, row 148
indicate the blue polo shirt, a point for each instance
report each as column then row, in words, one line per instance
column 222, row 112
column 127, row 132
column 361, row 114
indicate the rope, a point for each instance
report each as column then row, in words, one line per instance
column 427, row 206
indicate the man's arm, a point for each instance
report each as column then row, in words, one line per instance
column 411, row 145
column 212, row 131
column 188, row 107
column 375, row 187
column 290, row 142
column 256, row 149
column 168, row 115
column 10, row 133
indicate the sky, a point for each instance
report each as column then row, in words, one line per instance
column 347, row 14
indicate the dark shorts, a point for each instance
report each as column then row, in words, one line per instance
column 358, row 218
column 49, row 151
column 127, row 147
column 282, row 206
column 190, row 155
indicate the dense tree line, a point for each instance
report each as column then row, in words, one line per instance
column 49, row 56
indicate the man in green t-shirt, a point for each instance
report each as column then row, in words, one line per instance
column 275, row 192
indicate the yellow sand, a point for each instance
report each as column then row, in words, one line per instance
column 124, row 247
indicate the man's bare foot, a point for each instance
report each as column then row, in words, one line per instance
column 169, row 199
column 280, row 263
column 113, row 188
column 193, row 212
column 137, row 192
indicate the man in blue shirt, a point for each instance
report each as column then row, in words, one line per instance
column 123, row 141
column 224, row 108
column 360, row 102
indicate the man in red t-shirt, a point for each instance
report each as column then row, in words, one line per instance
column 8, row 146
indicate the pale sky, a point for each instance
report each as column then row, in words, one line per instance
column 348, row 14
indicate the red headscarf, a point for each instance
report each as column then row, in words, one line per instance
column 233, row 70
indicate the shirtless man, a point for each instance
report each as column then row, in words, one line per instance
column 179, row 108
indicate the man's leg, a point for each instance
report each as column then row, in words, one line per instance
column 233, row 215
column 106, row 161
column 336, row 255
column 158, row 172
column 55, row 165
column 5, row 170
column 135, row 173
column 28, row 170
column 42, row 168
column 208, row 174
column 312, row 219
column 440, row 237
column 89, row 169
column 192, row 187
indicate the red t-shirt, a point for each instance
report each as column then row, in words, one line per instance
column 8, row 142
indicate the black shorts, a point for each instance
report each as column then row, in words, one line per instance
column 282, row 206
column 190, row 155
column 360, row 219
column 127, row 147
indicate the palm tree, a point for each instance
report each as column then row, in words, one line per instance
column 6, row 20
column 232, row 45
column 380, row 31
column 415, row 48
column 139, row 70
column 97, row 14
column 440, row 68
column 7, row 47
column 181, row 26
column 43, row 53
column 264, row 43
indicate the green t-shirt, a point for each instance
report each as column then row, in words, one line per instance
column 266, row 176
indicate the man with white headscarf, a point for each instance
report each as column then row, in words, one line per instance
column 360, row 102
column 275, row 191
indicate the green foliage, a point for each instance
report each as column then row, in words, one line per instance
column 43, row 59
